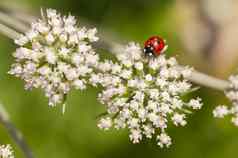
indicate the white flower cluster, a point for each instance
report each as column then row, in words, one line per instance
column 6, row 151
column 141, row 93
column 144, row 94
column 55, row 55
column 232, row 94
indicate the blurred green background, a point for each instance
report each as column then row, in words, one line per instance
column 195, row 35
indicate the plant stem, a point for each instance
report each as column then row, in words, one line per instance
column 208, row 81
column 12, row 22
column 14, row 133
column 10, row 33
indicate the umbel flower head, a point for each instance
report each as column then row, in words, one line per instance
column 6, row 151
column 144, row 94
column 232, row 94
column 55, row 55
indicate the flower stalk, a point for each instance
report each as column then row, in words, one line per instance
column 8, row 32
column 12, row 22
column 208, row 81
column 14, row 133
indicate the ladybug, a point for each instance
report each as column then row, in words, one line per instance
column 155, row 46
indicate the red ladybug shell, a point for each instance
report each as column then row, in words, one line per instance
column 157, row 44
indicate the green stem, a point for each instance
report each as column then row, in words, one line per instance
column 10, row 33
column 12, row 22
column 14, row 133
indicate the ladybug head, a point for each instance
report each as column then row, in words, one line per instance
column 149, row 50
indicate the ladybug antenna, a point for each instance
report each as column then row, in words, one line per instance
column 164, row 49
